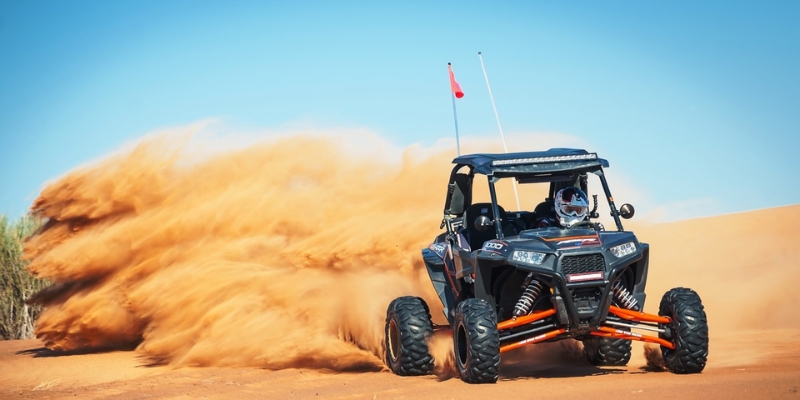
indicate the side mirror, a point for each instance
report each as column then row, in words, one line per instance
column 626, row 211
column 482, row 222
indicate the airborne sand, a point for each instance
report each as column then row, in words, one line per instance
column 256, row 257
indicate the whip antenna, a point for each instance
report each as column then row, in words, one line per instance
column 500, row 127
column 496, row 117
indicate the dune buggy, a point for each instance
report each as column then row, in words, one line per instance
column 504, row 284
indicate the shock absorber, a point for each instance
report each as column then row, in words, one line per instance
column 532, row 290
column 624, row 297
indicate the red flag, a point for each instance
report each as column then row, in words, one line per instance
column 454, row 86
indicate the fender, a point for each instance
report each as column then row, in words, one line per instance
column 434, row 257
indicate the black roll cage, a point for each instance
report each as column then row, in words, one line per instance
column 459, row 193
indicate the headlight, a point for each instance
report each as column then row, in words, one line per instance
column 623, row 249
column 528, row 257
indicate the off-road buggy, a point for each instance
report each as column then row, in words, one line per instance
column 504, row 285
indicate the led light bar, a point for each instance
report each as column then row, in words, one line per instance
column 536, row 160
column 588, row 276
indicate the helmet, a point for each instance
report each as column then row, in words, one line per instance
column 571, row 206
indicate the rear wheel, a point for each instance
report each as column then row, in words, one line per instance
column 476, row 342
column 408, row 328
column 607, row 351
column 688, row 331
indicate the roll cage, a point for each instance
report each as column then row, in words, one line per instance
column 560, row 167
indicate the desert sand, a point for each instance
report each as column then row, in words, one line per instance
column 219, row 278
column 121, row 375
column 746, row 288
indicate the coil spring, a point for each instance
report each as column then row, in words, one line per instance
column 624, row 297
column 532, row 290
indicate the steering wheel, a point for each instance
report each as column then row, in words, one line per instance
column 594, row 225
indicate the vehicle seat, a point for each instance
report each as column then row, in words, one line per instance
column 545, row 209
column 475, row 237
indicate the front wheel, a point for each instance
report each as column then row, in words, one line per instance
column 408, row 328
column 688, row 331
column 476, row 342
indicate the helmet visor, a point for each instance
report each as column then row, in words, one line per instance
column 573, row 210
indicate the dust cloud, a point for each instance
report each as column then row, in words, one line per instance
column 281, row 254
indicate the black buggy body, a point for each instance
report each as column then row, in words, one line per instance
column 505, row 284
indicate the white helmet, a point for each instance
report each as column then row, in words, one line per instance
column 571, row 206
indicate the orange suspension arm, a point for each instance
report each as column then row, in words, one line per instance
column 632, row 315
column 620, row 334
column 535, row 339
column 524, row 320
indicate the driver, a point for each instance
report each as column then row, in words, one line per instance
column 571, row 206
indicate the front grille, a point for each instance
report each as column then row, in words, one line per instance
column 582, row 264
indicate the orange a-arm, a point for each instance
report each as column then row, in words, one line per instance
column 604, row 331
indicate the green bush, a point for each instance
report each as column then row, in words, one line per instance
column 16, row 284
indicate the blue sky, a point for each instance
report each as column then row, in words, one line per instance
column 697, row 104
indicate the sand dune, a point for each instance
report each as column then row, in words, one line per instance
column 274, row 275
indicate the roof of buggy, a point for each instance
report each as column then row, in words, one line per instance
column 532, row 162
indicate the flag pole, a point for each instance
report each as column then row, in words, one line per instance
column 455, row 92
column 500, row 127
column 455, row 121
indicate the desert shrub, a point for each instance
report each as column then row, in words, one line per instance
column 16, row 284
